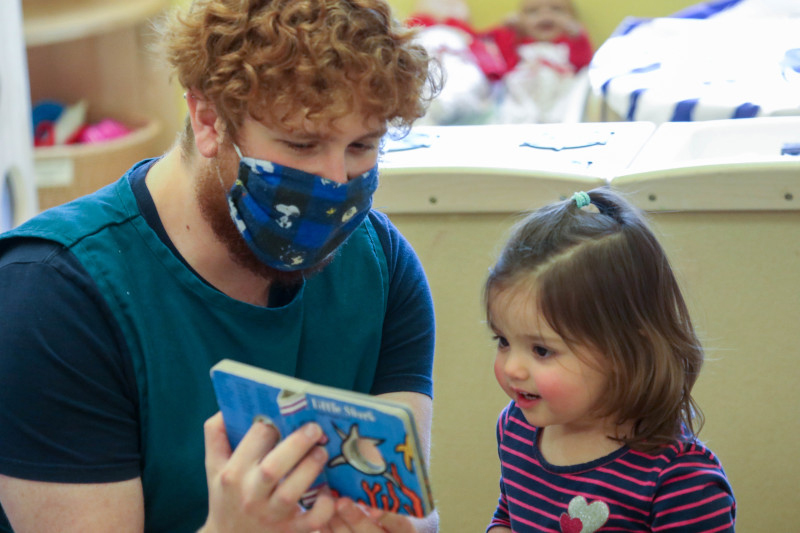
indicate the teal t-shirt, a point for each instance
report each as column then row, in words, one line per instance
column 175, row 327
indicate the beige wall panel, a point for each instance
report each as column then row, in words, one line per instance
column 740, row 272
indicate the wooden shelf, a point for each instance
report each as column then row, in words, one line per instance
column 66, row 172
column 54, row 21
column 96, row 50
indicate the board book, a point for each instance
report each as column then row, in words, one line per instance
column 373, row 447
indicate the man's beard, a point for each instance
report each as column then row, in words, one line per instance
column 213, row 203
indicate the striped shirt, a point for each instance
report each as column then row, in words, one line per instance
column 681, row 487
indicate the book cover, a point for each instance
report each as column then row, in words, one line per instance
column 373, row 447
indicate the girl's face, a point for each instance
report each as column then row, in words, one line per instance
column 553, row 384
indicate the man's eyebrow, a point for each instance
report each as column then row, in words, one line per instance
column 311, row 136
column 377, row 133
column 302, row 135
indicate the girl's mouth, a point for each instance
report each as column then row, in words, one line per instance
column 526, row 399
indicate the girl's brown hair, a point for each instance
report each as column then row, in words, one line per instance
column 604, row 281
column 312, row 59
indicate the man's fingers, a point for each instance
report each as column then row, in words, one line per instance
column 320, row 514
column 257, row 442
column 298, row 482
column 218, row 449
column 396, row 523
column 357, row 518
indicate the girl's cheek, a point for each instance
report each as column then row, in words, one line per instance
column 550, row 386
column 500, row 375
column 498, row 371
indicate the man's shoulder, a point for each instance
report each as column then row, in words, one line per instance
column 380, row 221
column 28, row 250
column 72, row 221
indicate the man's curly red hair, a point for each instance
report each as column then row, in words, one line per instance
column 277, row 60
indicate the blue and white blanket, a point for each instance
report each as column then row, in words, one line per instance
column 717, row 60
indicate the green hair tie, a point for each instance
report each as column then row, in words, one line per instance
column 581, row 199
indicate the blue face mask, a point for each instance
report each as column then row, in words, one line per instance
column 293, row 220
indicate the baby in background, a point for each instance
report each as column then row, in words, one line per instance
column 469, row 68
column 596, row 350
column 545, row 49
column 528, row 70
column 544, row 21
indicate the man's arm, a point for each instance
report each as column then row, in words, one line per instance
column 48, row 399
column 66, row 507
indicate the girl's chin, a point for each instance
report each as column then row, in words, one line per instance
column 531, row 419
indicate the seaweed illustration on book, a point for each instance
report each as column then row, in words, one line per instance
column 391, row 501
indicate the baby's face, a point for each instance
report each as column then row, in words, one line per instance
column 544, row 20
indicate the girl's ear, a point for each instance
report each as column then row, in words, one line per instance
column 205, row 124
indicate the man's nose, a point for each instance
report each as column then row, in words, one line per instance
column 335, row 168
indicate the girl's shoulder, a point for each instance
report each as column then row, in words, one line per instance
column 684, row 455
column 691, row 487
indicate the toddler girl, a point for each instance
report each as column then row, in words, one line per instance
column 596, row 349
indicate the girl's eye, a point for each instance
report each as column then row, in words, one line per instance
column 501, row 341
column 541, row 351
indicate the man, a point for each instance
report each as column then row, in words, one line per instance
column 251, row 239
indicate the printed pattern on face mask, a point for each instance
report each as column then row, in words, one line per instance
column 292, row 219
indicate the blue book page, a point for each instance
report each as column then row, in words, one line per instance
column 373, row 454
column 242, row 400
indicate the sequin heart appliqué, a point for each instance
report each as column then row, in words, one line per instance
column 583, row 517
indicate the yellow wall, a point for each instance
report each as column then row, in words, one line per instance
column 600, row 17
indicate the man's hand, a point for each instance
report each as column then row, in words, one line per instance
column 353, row 518
column 257, row 486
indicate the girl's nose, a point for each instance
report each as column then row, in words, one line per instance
column 515, row 366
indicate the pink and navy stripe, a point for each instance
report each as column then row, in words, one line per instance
column 680, row 488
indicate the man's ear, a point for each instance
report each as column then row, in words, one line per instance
column 205, row 124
